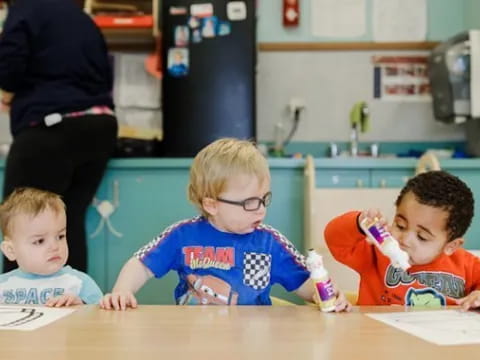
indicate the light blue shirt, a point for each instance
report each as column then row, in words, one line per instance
column 19, row 287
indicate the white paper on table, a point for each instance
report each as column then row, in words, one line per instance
column 441, row 327
column 399, row 20
column 18, row 317
column 338, row 18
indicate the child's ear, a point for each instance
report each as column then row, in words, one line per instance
column 452, row 246
column 8, row 249
column 210, row 206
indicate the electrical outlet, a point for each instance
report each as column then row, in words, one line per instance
column 296, row 103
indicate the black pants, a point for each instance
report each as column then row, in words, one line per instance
column 69, row 159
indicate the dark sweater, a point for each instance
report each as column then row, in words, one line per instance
column 54, row 59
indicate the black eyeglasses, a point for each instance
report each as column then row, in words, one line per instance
column 251, row 204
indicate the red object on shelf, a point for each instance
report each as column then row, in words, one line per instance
column 291, row 13
column 109, row 21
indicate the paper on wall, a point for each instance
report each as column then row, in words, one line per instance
column 134, row 86
column 441, row 327
column 401, row 78
column 18, row 317
column 399, row 20
column 338, row 18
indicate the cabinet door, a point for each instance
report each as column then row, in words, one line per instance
column 391, row 178
column 149, row 201
column 96, row 240
column 286, row 213
column 342, row 178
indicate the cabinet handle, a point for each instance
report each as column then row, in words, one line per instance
column 106, row 208
column 359, row 183
column 383, row 183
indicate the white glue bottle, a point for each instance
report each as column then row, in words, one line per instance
column 321, row 281
column 385, row 242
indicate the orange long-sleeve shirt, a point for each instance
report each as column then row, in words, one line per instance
column 438, row 283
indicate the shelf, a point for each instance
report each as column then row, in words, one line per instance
column 141, row 39
column 345, row 46
column 131, row 39
column 124, row 22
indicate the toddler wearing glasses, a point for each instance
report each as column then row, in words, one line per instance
column 225, row 256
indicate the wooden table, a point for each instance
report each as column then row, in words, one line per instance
column 222, row 333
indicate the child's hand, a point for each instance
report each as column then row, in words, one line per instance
column 372, row 214
column 341, row 303
column 64, row 300
column 118, row 300
column 471, row 301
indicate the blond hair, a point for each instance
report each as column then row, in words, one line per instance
column 220, row 161
column 27, row 201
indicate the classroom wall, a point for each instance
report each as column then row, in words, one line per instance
column 330, row 82
column 445, row 17
column 472, row 11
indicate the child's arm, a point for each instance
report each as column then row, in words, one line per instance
column 131, row 278
column 346, row 240
column 307, row 293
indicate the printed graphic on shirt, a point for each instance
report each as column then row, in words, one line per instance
column 204, row 257
column 425, row 298
column 256, row 270
column 208, row 290
column 444, row 283
column 17, row 290
column 287, row 244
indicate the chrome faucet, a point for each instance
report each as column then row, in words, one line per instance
column 358, row 124
column 354, row 140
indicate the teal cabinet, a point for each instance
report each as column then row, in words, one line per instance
column 342, row 178
column 150, row 194
column 390, row 178
column 147, row 201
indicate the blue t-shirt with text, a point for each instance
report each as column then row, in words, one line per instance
column 216, row 267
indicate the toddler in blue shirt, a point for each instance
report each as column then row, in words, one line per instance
column 34, row 225
column 225, row 256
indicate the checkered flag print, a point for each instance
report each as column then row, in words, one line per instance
column 256, row 270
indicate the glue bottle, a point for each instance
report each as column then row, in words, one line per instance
column 321, row 281
column 385, row 242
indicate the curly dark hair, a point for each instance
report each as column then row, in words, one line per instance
column 442, row 190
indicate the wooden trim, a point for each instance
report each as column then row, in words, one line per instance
column 346, row 46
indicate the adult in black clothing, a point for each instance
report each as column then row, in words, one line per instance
column 57, row 81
